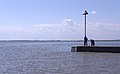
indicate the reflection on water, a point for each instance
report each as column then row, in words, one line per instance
column 54, row 58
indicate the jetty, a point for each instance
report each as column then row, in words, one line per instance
column 93, row 48
column 112, row 49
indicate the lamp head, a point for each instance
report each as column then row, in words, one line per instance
column 85, row 13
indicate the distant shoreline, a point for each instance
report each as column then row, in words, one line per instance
column 50, row 40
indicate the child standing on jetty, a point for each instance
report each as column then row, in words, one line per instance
column 92, row 42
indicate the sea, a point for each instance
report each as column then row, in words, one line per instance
column 55, row 57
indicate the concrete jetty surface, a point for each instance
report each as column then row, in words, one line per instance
column 114, row 49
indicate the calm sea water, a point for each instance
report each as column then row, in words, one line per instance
column 34, row 57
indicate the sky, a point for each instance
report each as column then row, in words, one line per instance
column 59, row 19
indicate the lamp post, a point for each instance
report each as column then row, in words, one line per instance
column 85, row 38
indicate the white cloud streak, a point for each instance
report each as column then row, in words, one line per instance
column 67, row 29
column 64, row 30
column 103, row 30
column 93, row 12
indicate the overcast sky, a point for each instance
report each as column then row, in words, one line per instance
column 59, row 19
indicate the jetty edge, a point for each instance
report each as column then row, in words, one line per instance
column 112, row 49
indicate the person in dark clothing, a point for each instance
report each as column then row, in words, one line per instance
column 85, row 41
column 92, row 42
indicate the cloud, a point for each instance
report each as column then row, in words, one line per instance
column 103, row 30
column 66, row 29
column 111, row 27
column 93, row 12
